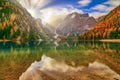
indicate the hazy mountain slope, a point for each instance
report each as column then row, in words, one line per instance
column 107, row 28
column 16, row 22
column 75, row 23
column 43, row 29
column 100, row 18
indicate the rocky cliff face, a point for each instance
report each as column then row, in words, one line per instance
column 76, row 23
column 16, row 22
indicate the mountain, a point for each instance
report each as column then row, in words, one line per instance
column 46, row 30
column 16, row 22
column 50, row 31
column 107, row 28
column 100, row 18
column 75, row 24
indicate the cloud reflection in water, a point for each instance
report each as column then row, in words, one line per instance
column 49, row 68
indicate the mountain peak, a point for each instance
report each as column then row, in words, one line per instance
column 76, row 23
column 76, row 15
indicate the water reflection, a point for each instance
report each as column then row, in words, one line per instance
column 59, row 70
column 76, row 57
column 63, row 45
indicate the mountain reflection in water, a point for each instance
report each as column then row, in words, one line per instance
column 51, row 69
column 59, row 61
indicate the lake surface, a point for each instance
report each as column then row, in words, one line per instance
column 59, row 61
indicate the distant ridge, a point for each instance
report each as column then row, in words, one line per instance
column 107, row 28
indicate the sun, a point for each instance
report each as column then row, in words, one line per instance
column 32, row 12
column 46, row 17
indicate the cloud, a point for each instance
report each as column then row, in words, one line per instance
column 97, row 14
column 113, row 3
column 104, row 8
column 34, row 3
column 84, row 2
column 107, row 6
column 34, row 6
column 99, row 7
column 53, row 15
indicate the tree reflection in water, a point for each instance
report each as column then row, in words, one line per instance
column 15, row 58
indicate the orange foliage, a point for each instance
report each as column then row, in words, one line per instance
column 11, row 22
column 7, row 3
column 15, row 28
column 4, row 24
column 12, row 17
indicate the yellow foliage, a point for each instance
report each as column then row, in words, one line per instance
column 3, row 14
column 1, row 8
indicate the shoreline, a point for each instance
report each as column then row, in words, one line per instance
column 101, row 40
column 110, row 40
column 4, row 40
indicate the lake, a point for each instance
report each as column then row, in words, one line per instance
column 59, row 61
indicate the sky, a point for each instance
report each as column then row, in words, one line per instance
column 51, row 11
